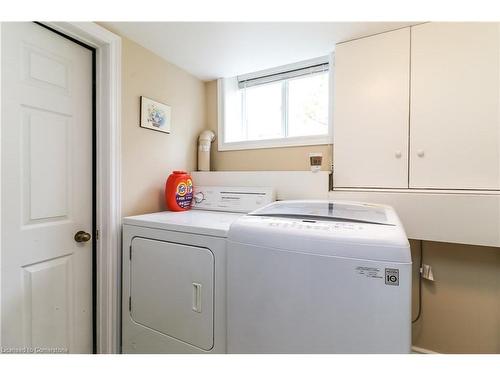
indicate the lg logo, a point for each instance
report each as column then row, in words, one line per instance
column 392, row 276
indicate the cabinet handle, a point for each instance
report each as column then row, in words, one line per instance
column 420, row 153
column 398, row 154
column 197, row 297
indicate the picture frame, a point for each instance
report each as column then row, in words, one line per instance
column 155, row 115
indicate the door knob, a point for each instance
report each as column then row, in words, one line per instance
column 420, row 153
column 82, row 236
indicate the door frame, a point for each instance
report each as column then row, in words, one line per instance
column 108, row 176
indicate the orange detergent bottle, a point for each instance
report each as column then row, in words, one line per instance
column 179, row 191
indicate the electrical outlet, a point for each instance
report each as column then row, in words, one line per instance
column 426, row 272
column 315, row 161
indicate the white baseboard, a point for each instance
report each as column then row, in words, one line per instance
column 419, row 350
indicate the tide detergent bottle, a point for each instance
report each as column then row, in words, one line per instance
column 179, row 191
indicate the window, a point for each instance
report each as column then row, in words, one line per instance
column 285, row 106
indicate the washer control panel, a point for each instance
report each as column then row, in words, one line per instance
column 313, row 225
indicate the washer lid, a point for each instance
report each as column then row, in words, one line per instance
column 343, row 229
column 325, row 210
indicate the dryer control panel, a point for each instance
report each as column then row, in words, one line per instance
column 232, row 199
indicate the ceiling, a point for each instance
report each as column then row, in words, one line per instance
column 211, row 50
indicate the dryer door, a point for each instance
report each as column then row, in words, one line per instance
column 172, row 290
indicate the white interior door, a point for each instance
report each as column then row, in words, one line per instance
column 46, row 191
column 455, row 112
column 370, row 127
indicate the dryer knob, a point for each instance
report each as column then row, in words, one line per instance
column 199, row 197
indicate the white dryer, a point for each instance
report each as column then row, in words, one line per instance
column 319, row 277
column 174, row 264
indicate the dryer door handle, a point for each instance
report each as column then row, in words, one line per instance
column 197, row 297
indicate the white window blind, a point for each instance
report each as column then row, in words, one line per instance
column 249, row 81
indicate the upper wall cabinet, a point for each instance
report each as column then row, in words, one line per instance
column 454, row 115
column 450, row 92
column 371, row 104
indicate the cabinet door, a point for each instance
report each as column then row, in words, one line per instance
column 371, row 106
column 454, row 115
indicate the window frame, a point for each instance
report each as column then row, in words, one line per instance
column 297, row 141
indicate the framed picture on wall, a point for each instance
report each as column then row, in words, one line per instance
column 155, row 115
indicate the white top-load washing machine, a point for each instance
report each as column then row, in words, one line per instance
column 319, row 277
column 174, row 263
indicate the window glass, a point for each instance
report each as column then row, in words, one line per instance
column 262, row 111
column 308, row 105
column 234, row 127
